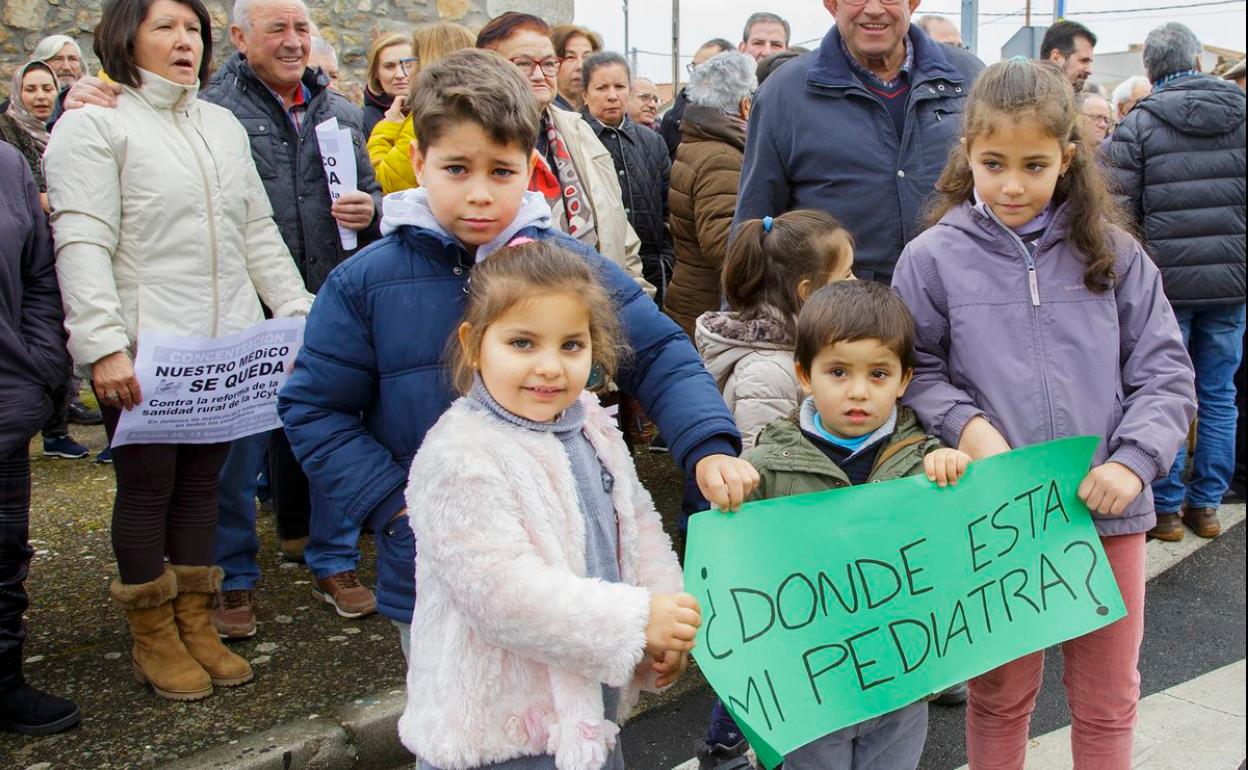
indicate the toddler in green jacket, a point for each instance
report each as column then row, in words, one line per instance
column 854, row 357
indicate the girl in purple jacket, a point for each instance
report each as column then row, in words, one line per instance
column 1039, row 317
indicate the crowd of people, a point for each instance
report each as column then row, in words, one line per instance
column 1061, row 261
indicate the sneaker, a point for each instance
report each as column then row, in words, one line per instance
column 1169, row 529
column 658, row 445
column 350, row 597
column 233, row 616
column 950, row 696
column 721, row 757
column 81, row 414
column 105, row 457
column 64, row 446
column 1202, row 521
column 28, row 711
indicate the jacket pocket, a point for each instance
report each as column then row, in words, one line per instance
column 264, row 142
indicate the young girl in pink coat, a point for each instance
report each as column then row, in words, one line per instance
column 549, row 593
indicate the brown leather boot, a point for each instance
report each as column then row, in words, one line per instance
column 159, row 657
column 1169, row 529
column 1202, row 521
column 192, row 609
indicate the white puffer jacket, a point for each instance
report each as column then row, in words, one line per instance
column 161, row 223
column 752, row 362
column 511, row 643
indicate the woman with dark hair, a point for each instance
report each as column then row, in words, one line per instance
column 24, row 123
column 574, row 171
column 161, row 224
column 32, row 364
column 641, row 163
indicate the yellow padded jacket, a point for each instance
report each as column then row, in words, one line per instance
column 387, row 151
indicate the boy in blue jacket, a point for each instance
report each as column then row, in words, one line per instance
column 371, row 378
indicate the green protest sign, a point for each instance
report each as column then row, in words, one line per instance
column 820, row 611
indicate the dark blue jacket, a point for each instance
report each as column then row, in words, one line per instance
column 289, row 162
column 371, row 378
column 1178, row 162
column 819, row 139
column 33, row 359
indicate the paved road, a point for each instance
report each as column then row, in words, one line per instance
column 1194, row 625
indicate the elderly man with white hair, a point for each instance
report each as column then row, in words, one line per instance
column 280, row 100
column 1128, row 93
column 1178, row 161
column 62, row 54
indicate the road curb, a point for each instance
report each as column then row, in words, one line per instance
column 360, row 734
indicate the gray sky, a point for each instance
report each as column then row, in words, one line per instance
column 651, row 23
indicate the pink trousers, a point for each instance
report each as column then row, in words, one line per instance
column 1101, row 678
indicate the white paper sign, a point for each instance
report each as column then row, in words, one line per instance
column 338, row 156
column 205, row 390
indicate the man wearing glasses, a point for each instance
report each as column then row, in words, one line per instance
column 643, row 103
column 860, row 128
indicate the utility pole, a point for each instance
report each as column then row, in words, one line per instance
column 632, row 60
column 626, row 46
column 675, row 46
column 1027, row 15
column 970, row 24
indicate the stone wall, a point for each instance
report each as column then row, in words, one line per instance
column 349, row 25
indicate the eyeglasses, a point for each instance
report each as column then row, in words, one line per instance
column 1100, row 120
column 857, row 3
column 648, row 98
column 408, row 63
column 690, row 66
column 549, row 66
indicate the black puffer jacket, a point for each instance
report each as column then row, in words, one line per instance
column 33, row 360
column 645, row 171
column 290, row 163
column 1178, row 163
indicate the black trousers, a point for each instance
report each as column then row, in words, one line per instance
column 15, row 553
column 58, row 422
column 166, row 504
column 288, row 486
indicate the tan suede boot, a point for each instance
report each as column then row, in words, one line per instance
column 159, row 657
column 197, row 588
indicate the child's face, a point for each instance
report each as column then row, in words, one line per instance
column 535, row 358
column 855, row 385
column 1016, row 167
column 475, row 185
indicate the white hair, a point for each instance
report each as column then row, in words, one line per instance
column 51, row 46
column 722, row 81
column 1122, row 92
column 1168, row 49
column 322, row 49
column 241, row 15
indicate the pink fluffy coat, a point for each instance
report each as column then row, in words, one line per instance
column 510, row 641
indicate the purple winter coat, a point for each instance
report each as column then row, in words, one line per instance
column 1062, row 361
column 33, row 359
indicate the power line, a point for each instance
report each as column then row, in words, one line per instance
column 1183, row 6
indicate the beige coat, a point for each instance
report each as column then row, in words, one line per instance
column 161, row 223
column 616, row 239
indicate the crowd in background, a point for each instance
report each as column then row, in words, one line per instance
column 161, row 194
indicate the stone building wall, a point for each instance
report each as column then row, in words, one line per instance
column 349, row 25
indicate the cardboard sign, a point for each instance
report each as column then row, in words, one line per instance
column 820, row 611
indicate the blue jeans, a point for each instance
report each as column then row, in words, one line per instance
column 237, row 544
column 333, row 541
column 1215, row 340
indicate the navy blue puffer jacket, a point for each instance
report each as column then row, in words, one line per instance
column 1178, row 162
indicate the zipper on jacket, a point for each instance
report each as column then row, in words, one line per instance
column 212, row 221
column 1033, row 288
